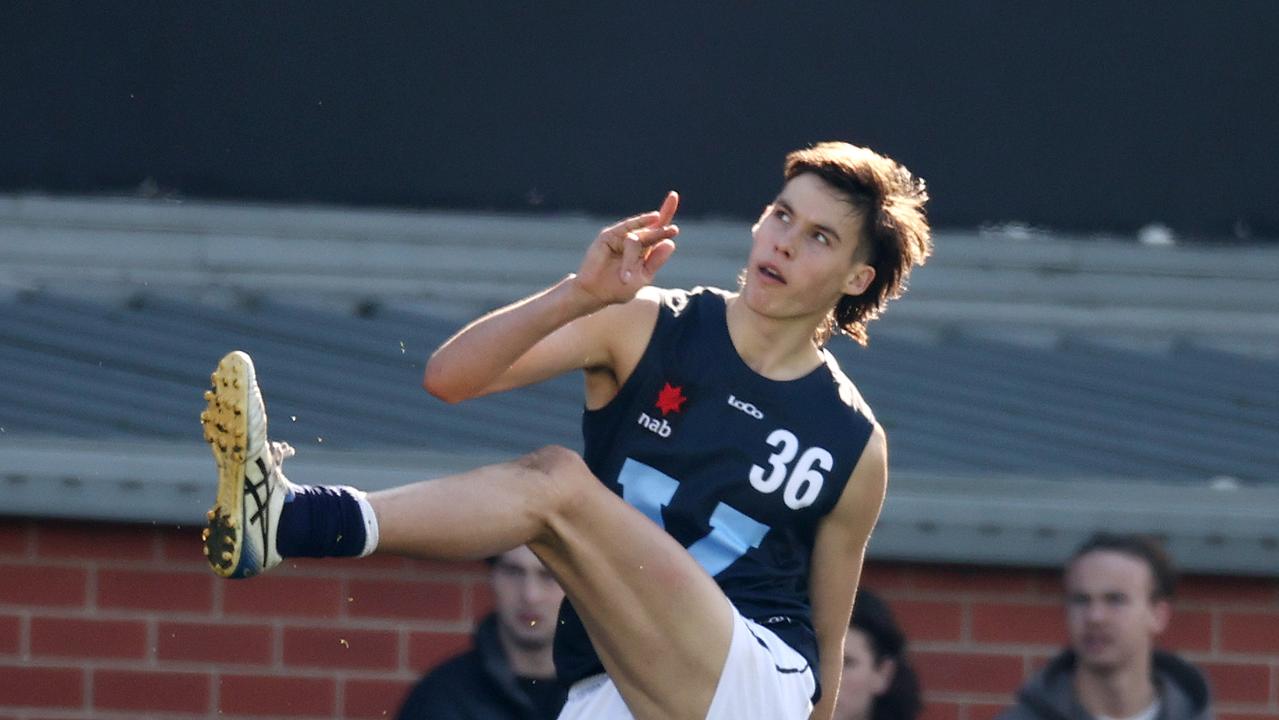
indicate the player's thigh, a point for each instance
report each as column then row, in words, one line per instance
column 659, row 622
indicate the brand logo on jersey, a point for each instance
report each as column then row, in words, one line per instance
column 653, row 425
column 746, row 407
column 670, row 399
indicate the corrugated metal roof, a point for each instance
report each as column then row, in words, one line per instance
column 1033, row 391
column 960, row 405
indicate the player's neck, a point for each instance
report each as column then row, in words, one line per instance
column 1118, row 693
column 778, row 349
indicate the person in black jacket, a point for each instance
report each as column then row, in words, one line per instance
column 1119, row 592
column 509, row 674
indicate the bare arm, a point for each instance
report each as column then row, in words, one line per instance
column 565, row 327
column 837, row 563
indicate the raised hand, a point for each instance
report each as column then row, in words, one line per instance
column 625, row 256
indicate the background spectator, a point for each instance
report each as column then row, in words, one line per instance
column 1119, row 590
column 878, row 682
column 509, row 674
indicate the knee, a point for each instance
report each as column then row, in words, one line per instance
column 555, row 461
column 561, row 473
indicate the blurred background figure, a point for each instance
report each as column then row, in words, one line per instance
column 1119, row 592
column 509, row 673
column 878, row 681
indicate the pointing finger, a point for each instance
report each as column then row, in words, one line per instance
column 655, row 234
column 635, row 222
column 667, row 212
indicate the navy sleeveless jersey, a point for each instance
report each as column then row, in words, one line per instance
column 738, row 468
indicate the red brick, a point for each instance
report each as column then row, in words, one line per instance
column 43, row 586
column 482, row 601
column 1238, row 683
column 181, row 544
column 82, row 638
column 1039, row 661
column 151, row 590
column 985, row 711
column 218, row 643
column 1021, row 624
column 374, row 698
column 42, row 687
column 275, row 696
column 180, row 547
column 1003, row 582
column 341, row 648
column 13, row 539
column 99, row 541
column 377, row 563
column 938, row 710
column 926, row 620
column 1250, row 632
column 438, row 569
column 1189, row 631
column 883, row 578
column 1230, row 590
column 1248, row 716
column 428, row 649
column 151, row 691
column 10, row 634
column 284, row 596
column 405, row 599
column 968, row 672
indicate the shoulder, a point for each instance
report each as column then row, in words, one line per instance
column 457, row 677
column 629, row 326
column 677, row 301
column 846, row 389
column 1019, row 711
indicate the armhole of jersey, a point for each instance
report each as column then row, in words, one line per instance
column 647, row 358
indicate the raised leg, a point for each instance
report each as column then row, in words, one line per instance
column 641, row 596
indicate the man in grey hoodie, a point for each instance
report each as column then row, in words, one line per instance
column 1118, row 600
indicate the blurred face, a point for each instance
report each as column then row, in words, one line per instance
column 803, row 258
column 1110, row 613
column 863, row 680
column 527, row 599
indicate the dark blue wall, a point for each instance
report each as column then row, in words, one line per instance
column 1073, row 115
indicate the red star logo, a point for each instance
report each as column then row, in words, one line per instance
column 670, row 398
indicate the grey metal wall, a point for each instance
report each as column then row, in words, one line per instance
column 1089, row 116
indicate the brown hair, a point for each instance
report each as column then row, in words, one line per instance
column 1145, row 548
column 895, row 231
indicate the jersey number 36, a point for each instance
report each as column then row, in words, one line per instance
column 802, row 480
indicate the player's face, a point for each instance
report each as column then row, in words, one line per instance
column 527, row 598
column 1110, row 613
column 804, row 256
column 863, row 679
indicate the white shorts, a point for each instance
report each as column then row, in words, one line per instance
column 763, row 679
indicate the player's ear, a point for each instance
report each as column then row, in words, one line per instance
column 885, row 670
column 859, row 278
column 1161, row 615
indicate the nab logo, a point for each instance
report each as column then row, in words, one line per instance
column 670, row 399
column 746, row 407
column 659, row 427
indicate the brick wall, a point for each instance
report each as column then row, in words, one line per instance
column 112, row 621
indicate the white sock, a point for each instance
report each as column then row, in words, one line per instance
column 370, row 521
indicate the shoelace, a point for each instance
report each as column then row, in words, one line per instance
column 281, row 451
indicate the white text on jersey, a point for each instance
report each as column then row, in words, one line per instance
column 653, row 425
column 746, row 407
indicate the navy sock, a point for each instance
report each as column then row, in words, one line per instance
column 321, row 521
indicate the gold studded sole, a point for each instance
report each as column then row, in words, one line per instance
column 225, row 422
